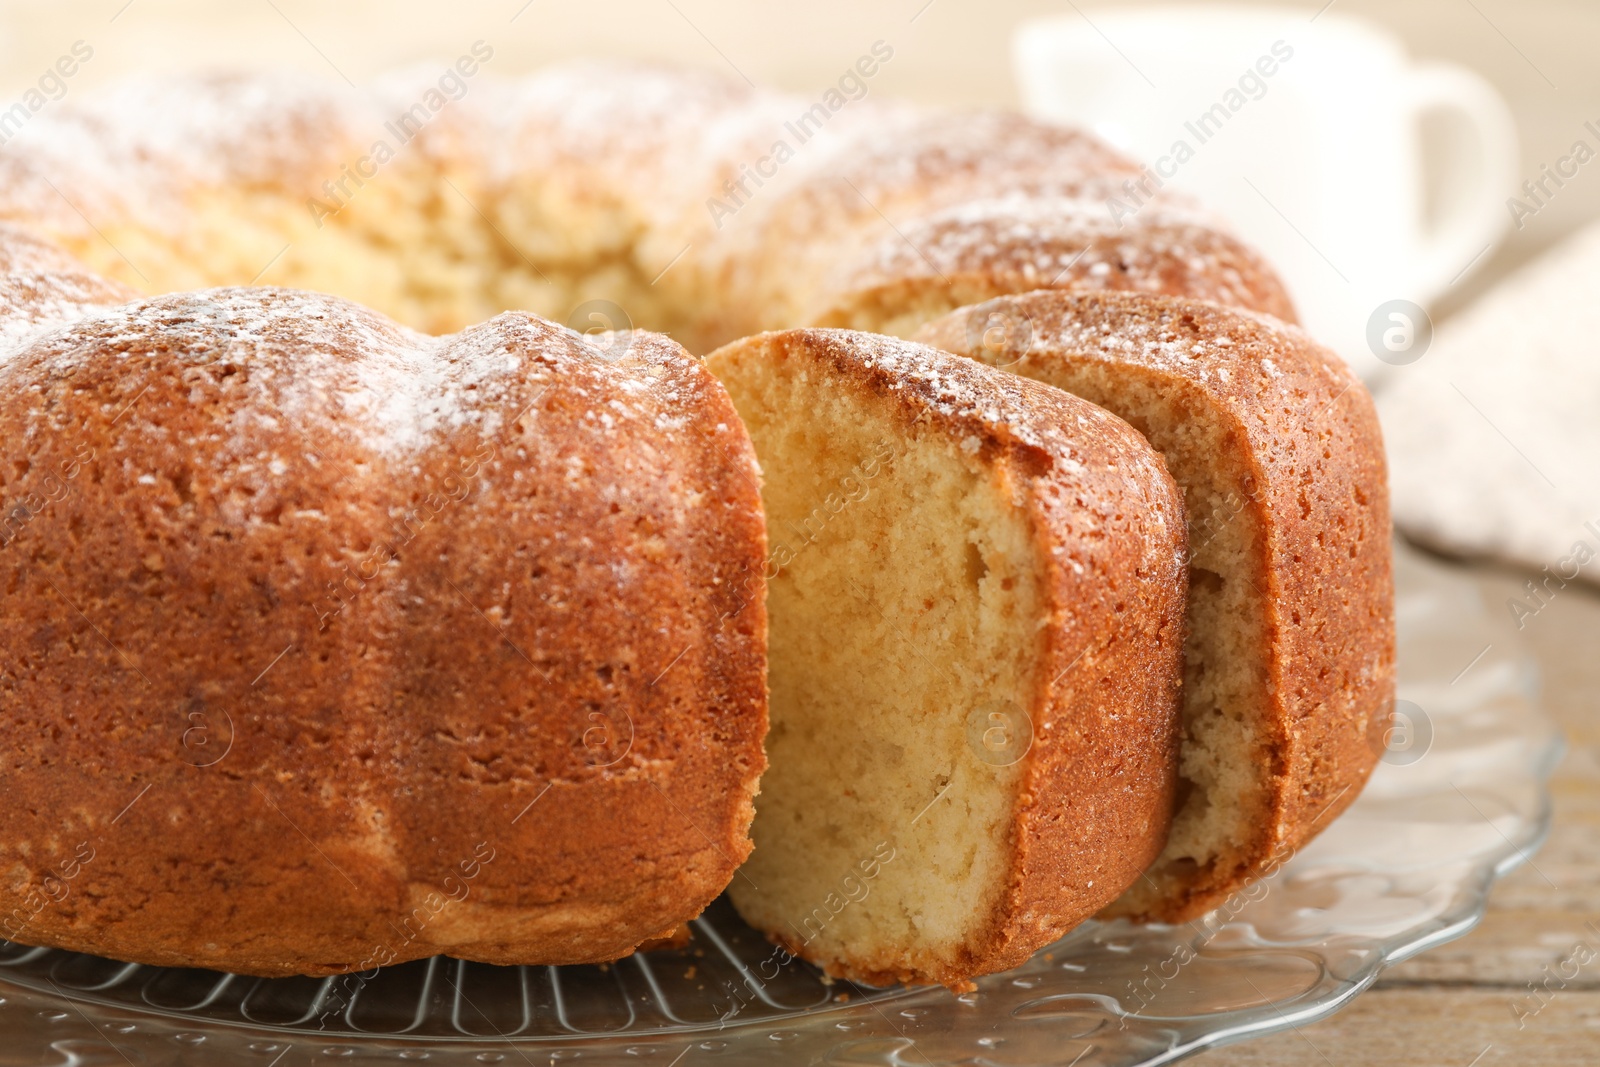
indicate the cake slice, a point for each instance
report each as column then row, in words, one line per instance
column 1289, row 673
column 975, row 587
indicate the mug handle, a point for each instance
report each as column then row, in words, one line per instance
column 1481, row 175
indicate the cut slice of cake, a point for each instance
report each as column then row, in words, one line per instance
column 1289, row 673
column 975, row 587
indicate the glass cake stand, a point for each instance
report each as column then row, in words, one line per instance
column 1459, row 799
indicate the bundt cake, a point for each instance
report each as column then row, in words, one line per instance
column 1289, row 665
column 976, row 588
column 334, row 645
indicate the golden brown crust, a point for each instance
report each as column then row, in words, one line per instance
column 952, row 209
column 987, row 249
column 1096, row 796
column 41, row 286
column 332, row 645
column 1306, row 431
column 139, row 150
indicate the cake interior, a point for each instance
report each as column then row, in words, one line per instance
column 1224, row 770
column 424, row 244
column 903, row 309
column 903, row 599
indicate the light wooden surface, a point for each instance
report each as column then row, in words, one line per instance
column 1453, row 1006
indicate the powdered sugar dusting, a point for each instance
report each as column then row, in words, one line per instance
column 34, row 302
column 42, row 288
column 1002, row 405
column 1029, row 242
column 309, row 356
column 1230, row 349
column 139, row 150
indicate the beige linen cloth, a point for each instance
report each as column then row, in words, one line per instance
column 1494, row 434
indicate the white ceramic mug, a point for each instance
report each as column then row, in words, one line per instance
column 1306, row 133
